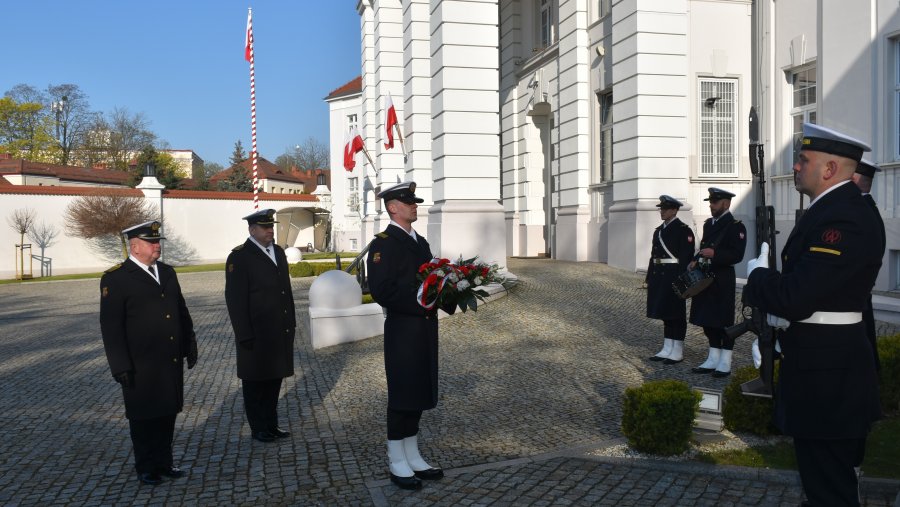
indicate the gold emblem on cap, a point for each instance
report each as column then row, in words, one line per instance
column 154, row 226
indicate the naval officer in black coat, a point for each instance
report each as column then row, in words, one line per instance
column 723, row 244
column 827, row 394
column 410, row 334
column 261, row 308
column 672, row 251
column 147, row 333
column 863, row 177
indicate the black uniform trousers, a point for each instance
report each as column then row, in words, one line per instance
column 402, row 423
column 718, row 339
column 675, row 329
column 261, row 403
column 152, row 441
column 826, row 469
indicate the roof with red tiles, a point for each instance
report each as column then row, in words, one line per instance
column 352, row 87
column 63, row 172
column 4, row 182
column 168, row 194
column 265, row 170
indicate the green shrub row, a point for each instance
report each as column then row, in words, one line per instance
column 889, row 376
column 303, row 268
column 658, row 417
column 752, row 414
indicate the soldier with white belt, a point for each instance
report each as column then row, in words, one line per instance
column 827, row 394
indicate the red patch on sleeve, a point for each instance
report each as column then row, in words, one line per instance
column 831, row 237
column 741, row 235
column 690, row 239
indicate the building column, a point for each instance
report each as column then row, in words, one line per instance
column 367, row 114
column 467, row 218
column 650, row 146
column 416, row 102
column 572, row 171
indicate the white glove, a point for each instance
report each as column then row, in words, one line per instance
column 760, row 262
column 757, row 356
column 776, row 321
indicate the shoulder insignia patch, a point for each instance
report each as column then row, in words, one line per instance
column 235, row 249
column 105, row 291
column 741, row 235
column 831, row 236
column 231, row 268
column 376, row 257
column 824, row 250
column 737, row 221
column 382, row 235
column 117, row 266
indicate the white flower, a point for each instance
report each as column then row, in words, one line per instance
column 439, row 273
column 454, row 277
column 478, row 280
column 462, row 285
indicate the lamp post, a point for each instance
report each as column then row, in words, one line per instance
column 58, row 107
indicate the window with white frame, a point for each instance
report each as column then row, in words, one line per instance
column 602, row 166
column 718, row 127
column 353, row 194
column 803, row 104
column 351, row 121
column 605, row 7
column 599, row 9
column 547, row 14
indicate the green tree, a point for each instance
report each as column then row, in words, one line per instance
column 238, row 181
column 25, row 132
column 238, row 155
column 207, row 171
column 166, row 167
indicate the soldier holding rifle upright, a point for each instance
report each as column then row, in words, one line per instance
column 827, row 395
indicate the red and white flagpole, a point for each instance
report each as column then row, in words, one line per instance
column 248, row 54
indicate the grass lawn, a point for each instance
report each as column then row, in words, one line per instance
column 329, row 255
column 882, row 453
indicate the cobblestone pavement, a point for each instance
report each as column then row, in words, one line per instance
column 530, row 384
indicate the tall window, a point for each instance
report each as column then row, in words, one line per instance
column 803, row 105
column 547, row 16
column 353, row 194
column 604, row 144
column 718, row 127
column 351, row 121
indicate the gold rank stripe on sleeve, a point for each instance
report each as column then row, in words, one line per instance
column 382, row 235
column 110, row 270
column 824, row 250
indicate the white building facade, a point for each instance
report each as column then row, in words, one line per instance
column 564, row 120
column 347, row 210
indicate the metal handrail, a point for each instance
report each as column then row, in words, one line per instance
column 360, row 266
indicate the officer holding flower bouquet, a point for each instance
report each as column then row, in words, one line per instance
column 410, row 334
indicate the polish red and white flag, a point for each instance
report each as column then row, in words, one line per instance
column 390, row 121
column 353, row 145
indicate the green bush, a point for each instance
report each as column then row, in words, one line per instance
column 752, row 414
column 304, row 268
column 658, row 417
column 889, row 376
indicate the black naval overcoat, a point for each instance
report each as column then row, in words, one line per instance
column 869, row 313
column 410, row 331
column 714, row 306
column 261, row 307
column 828, row 386
column 662, row 301
column 147, row 330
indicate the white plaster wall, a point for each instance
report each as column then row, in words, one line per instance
column 346, row 222
column 209, row 227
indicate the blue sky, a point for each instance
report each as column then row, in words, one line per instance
column 181, row 64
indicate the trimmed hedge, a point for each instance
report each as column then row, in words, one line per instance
column 658, row 417
column 889, row 376
column 303, row 268
column 752, row 414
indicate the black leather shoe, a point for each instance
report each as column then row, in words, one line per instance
column 173, row 472
column 151, row 479
column 698, row 369
column 655, row 358
column 672, row 361
column 264, row 436
column 279, row 433
column 721, row 374
column 412, row 483
column 432, row 474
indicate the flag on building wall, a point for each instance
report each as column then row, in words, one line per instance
column 354, row 144
column 390, row 121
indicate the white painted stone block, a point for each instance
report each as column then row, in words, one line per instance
column 335, row 326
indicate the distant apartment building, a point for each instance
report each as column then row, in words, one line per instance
column 189, row 163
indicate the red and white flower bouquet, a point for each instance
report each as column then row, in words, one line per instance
column 462, row 284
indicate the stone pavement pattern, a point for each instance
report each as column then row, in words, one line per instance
column 529, row 385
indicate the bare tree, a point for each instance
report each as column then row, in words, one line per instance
column 43, row 236
column 22, row 220
column 72, row 117
column 105, row 216
column 128, row 134
column 312, row 154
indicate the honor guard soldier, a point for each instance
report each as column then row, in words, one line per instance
column 410, row 334
column 827, row 394
column 672, row 251
column 722, row 246
column 261, row 308
column 147, row 333
column 863, row 177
